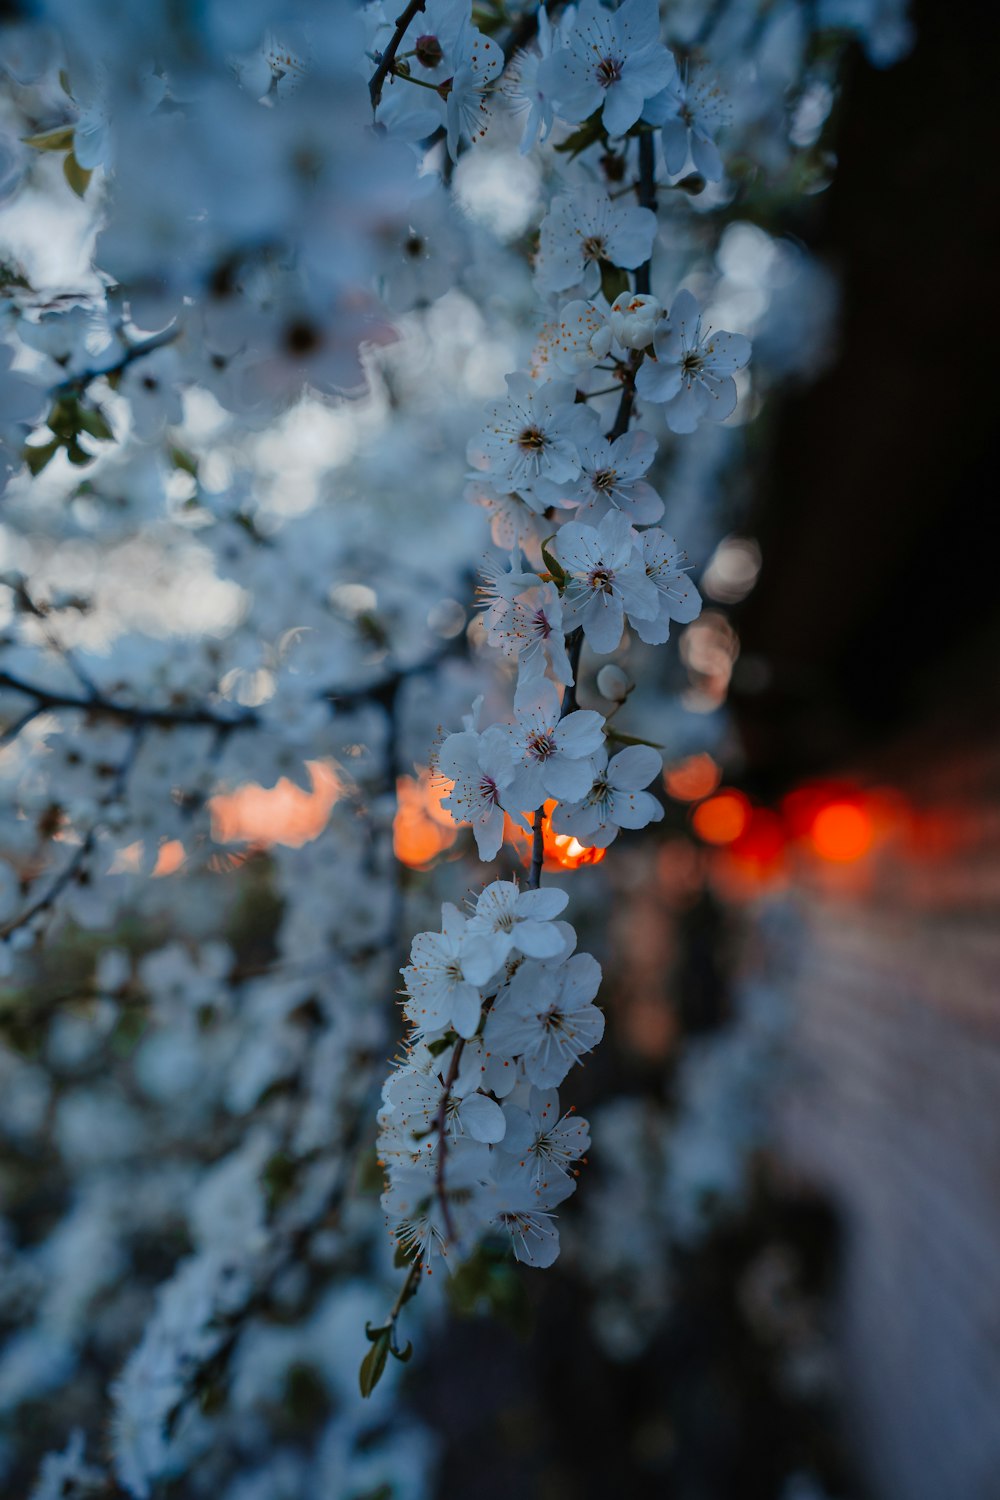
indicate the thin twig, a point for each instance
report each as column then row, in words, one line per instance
column 574, row 645
column 389, row 55
column 442, row 1143
column 537, row 850
column 77, row 383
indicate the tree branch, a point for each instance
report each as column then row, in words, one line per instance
column 389, row 55
column 441, row 1122
column 78, row 383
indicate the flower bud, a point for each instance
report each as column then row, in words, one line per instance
column 429, row 52
column 634, row 318
column 612, row 683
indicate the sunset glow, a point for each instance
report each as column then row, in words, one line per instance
column 422, row 828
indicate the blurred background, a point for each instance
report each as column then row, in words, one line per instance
column 830, row 892
column 778, row 1280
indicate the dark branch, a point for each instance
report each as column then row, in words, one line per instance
column 77, row 383
column 389, row 55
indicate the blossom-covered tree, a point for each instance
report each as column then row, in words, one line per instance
column 265, row 270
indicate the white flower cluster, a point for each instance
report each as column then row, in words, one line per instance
column 221, row 580
column 499, row 1005
column 470, row 1131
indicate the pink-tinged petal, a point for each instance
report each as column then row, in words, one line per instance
column 634, row 767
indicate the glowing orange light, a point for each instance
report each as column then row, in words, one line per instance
column 762, row 841
column 841, row 831
column 281, row 814
column 562, row 850
column 722, row 818
column 422, row 828
column 692, row 779
column 169, row 857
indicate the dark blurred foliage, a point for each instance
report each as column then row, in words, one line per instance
column 877, row 610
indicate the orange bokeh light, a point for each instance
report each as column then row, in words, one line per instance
column 280, row 814
column 762, row 841
column 841, row 831
column 692, row 779
column 422, row 828
column 562, row 850
column 722, row 818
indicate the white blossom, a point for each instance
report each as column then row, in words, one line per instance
column 612, row 61
column 615, row 800
column 691, row 369
column 584, row 229
column 605, row 579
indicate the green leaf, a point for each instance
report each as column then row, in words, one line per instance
column 442, row 1043
column 403, row 1355
column 585, row 135
column 374, row 1334
column 631, row 739
column 93, row 421
column 37, row 456
column 373, row 1364
column 59, row 139
column 614, row 280
column 181, row 459
column 78, row 177
column 64, row 418
column 554, row 567
column 692, row 184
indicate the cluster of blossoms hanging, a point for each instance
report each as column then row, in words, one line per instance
column 499, row 1004
column 246, row 212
